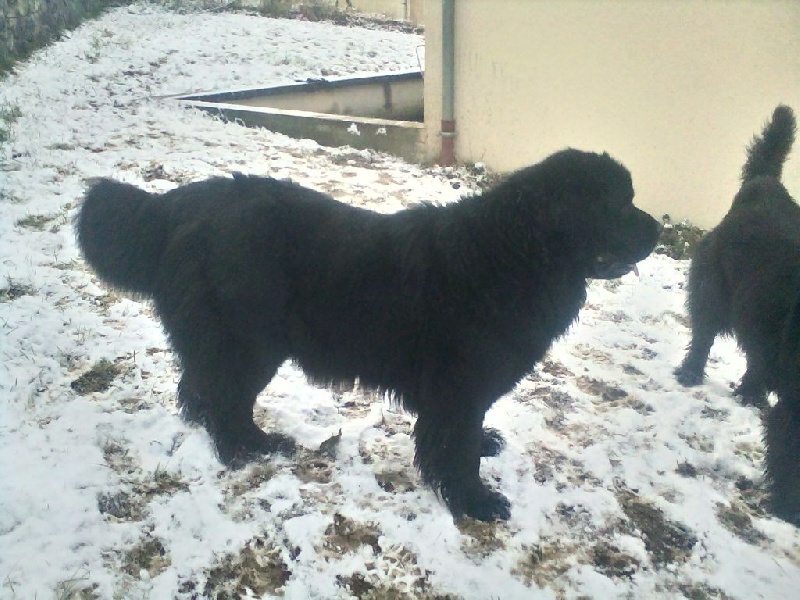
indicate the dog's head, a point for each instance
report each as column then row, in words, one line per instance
column 585, row 202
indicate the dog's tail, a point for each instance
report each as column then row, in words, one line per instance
column 767, row 152
column 122, row 231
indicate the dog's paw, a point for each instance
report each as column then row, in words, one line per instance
column 491, row 506
column 492, row 442
column 758, row 401
column 252, row 447
column 688, row 377
column 786, row 511
column 751, row 393
column 278, row 443
column 479, row 503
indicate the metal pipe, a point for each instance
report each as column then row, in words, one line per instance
column 448, row 132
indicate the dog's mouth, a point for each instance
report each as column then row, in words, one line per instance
column 607, row 268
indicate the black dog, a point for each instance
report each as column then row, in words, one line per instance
column 447, row 307
column 744, row 280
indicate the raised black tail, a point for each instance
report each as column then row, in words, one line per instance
column 122, row 231
column 767, row 152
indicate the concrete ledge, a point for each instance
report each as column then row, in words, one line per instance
column 381, row 112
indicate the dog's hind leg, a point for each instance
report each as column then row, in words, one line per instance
column 448, row 453
column 758, row 320
column 224, row 365
column 782, row 439
column 220, row 394
column 752, row 389
column 692, row 370
column 709, row 310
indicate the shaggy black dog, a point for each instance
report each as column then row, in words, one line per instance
column 446, row 307
column 744, row 280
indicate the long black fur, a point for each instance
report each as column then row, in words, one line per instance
column 744, row 280
column 448, row 307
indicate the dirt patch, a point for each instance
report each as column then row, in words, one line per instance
column 122, row 505
column 313, row 467
column 36, row 222
column 736, row 519
column 554, row 369
column 618, row 316
column 545, row 562
column 358, row 586
column 97, row 379
column 105, row 301
column 258, row 567
column 387, row 449
column 701, row 591
column 686, row 469
column 118, row 458
column 605, row 391
column 14, row 290
column 592, row 354
column 345, row 535
column 754, row 494
column 554, row 398
column 554, row 466
column 718, row 414
column 77, row 588
column 148, row 555
column 133, row 405
column 249, row 479
column 611, row 395
column 552, row 403
column 157, row 171
column 629, row 369
column 480, row 539
column 363, row 588
column 667, row 542
column 695, row 441
column 394, row 575
column 365, row 160
column 613, row 562
column 130, row 503
column 753, row 452
column 396, row 481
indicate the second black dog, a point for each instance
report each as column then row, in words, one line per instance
column 447, row 307
column 744, row 280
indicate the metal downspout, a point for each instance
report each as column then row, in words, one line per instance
column 447, row 156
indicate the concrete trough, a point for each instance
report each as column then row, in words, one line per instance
column 382, row 112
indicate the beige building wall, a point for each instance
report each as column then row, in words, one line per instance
column 410, row 10
column 675, row 89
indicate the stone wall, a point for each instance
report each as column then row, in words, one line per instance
column 26, row 25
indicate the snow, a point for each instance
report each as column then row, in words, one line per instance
column 89, row 482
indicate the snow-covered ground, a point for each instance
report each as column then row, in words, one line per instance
column 623, row 484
